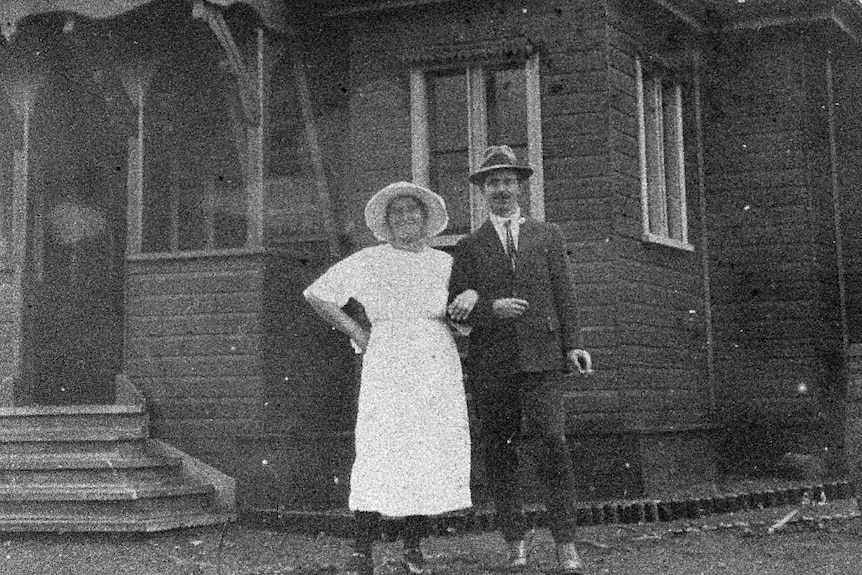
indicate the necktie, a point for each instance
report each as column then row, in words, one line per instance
column 511, row 250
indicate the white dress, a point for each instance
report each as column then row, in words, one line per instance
column 412, row 432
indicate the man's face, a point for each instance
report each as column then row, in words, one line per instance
column 501, row 189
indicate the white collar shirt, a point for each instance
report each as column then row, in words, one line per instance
column 500, row 226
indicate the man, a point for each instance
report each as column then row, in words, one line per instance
column 514, row 290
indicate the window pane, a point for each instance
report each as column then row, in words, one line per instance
column 506, row 101
column 654, row 144
column 674, row 169
column 449, row 163
column 193, row 193
column 448, row 111
column 506, row 104
column 449, row 179
column 7, row 164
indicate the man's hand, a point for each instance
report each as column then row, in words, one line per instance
column 581, row 360
column 463, row 304
column 509, row 307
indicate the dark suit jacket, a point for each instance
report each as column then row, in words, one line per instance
column 538, row 340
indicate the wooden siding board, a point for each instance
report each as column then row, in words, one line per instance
column 233, row 324
column 580, row 82
column 773, row 159
column 593, row 315
column 752, row 217
column 626, row 292
column 556, row 102
column 209, row 263
column 788, row 293
column 625, row 123
column 565, row 146
column 768, row 311
column 215, row 282
column 163, row 388
column 584, row 167
column 622, row 81
column 193, row 304
column 570, row 126
column 597, row 230
column 592, row 401
column 681, row 321
column 222, row 408
column 627, row 146
column 188, row 429
column 653, row 400
column 783, row 186
column 589, row 251
column 689, row 378
column 634, row 251
column 657, row 357
column 565, row 63
column 641, row 273
column 194, row 345
column 564, row 189
column 200, row 365
column 8, row 292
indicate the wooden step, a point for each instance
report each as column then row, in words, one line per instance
column 79, row 469
column 98, row 504
column 72, row 433
column 106, row 446
column 117, row 460
column 18, row 419
column 58, row 492
column 144, row 522
column 95, row 468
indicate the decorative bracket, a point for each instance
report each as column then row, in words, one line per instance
column 245, row 79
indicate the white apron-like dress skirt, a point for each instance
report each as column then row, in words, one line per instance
column 412, row 432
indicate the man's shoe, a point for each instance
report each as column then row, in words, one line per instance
column 518, row 551
column 413, row 562
column 570, row 562
column 360, row 564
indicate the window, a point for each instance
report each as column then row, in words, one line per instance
column 195, row 189
column 456, row 112
column 662, row 158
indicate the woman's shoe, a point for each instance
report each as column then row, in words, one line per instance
column 360, row 564
column 413, row 562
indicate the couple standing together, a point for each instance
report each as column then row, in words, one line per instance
column 509, row 283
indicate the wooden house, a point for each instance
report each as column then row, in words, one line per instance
column 173, row 174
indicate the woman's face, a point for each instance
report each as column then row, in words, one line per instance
column 407, row 219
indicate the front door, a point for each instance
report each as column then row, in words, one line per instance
column 73, row 330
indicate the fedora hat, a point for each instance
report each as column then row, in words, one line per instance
column 375, row 209
column 499, row 158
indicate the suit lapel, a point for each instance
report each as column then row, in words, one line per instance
column 490, row 244
column 489, row 237
column 527, row 238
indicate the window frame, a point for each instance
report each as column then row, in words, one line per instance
column 252, row 190
column 661, row 149
column 477, row 131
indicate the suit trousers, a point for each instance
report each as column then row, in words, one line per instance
column 500, row 404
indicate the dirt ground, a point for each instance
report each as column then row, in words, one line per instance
column 817, row 539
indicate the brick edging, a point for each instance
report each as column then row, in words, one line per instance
column 338, row 522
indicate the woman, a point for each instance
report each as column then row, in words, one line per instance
column 412, row 435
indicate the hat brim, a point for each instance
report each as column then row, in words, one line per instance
column 375, row 209
column 479, row 175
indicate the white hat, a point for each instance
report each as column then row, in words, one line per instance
column 375, row 209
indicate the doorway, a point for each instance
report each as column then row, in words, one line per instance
column 73, row 317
